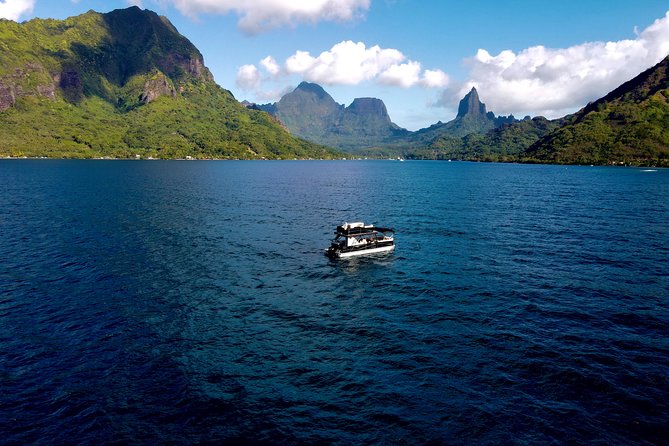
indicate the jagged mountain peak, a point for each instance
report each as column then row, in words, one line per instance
column 471, row 105
column 312, row 88
column 372, row 106
column 124, row 83
column 311, row 113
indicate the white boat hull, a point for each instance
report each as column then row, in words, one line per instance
column 365, row 251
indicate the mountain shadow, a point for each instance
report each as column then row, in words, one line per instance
column 124, row 84
column 311, row 113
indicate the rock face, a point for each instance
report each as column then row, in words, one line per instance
column 69, row 82
column 311, row 113
column 32, row 79
column 7, row 97
column 471, row 106
column 138, row 58
column 157, row 87
column 366, row 117
column 122, row 84
column 370, row 109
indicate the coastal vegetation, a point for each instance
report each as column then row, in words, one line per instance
column 124, row 84
column 629, row 126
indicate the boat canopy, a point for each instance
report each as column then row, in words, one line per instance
column 353, row 229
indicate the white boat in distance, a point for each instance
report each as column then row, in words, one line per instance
column 354, row 239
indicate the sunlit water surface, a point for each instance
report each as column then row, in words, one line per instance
column 190, row 302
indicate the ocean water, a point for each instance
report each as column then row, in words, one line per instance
column 190, row 302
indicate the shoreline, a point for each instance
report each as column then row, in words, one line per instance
column 531, row 162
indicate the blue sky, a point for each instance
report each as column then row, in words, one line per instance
column 419, row 56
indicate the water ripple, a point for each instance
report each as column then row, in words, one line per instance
column 192, row 303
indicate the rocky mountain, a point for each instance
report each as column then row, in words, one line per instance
column 630, row 125
column 472, row 118
column 122, row 84
column 308, row 112
column 364, row 127
column 507, row 142
column 311, row 113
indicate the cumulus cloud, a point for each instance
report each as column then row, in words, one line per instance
column 270, row 65
column 435, row 79
column 346, row 63
column 248, row 77
column 553, row 82
column 402, row 75
column 351, row 63
column 256, row 16
column 14, row 9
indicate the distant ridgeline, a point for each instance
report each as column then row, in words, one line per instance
column 127, row 84
column 310, row 112
column 123, row 84
column 630, row 125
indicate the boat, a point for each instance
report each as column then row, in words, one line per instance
column 354, row 239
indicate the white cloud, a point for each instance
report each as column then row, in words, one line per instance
column 14, row 9
column 346, row 63
column 434, row 79
column 351, row 63
column 273, row 95
column 256, row 16
column 403, row 75
column 248, row 77
column 270, row 65
column 553, row 82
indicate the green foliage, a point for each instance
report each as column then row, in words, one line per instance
column 124, row 84
column 203, row 125
column 506, row 143
column 629, row 126
column 310, row 113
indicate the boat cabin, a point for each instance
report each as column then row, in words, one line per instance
column 358, row 238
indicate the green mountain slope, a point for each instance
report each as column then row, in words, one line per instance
column 474, row 134
column 365, row 128
column 472, row 118
column 311, row 113
column 121, row 84
column 505, row 143
column 630, row 125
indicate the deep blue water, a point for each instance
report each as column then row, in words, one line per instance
column 190, row 302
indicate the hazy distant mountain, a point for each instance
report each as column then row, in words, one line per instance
column 308, row 112
column 507, row 142
column 120, row 84
column 628, row 125
column 472, row 118
column 311, row 113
